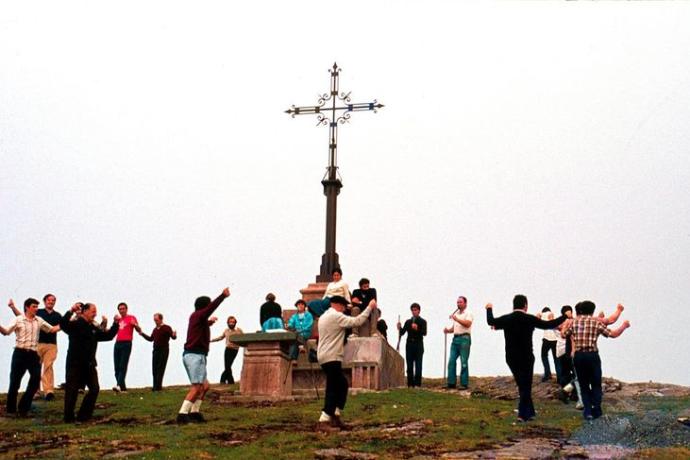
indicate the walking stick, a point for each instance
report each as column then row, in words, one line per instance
column 397, row 347
column 445, row 352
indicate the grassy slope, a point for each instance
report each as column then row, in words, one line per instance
column 140, row 422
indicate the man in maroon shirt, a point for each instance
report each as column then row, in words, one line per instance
column 194, row 356
column 160, row 337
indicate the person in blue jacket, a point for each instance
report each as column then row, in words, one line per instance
column 301, row 322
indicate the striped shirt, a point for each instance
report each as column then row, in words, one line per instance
column 27, row 331
column 585, row 331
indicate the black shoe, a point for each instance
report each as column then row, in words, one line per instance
column 183, row 419
column 450, row 387
column 196, row 417
column 463, row 387
column 50, row 396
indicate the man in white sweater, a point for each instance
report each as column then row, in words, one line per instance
column 330, row 352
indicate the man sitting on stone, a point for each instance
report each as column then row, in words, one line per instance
column 361, row 297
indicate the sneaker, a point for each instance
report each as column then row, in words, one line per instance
column 579, row 406
column 50, row 396
column 569, row 388
column 196, row 417
column 116, row 389
column 183, row 419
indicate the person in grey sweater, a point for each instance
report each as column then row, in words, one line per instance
column 331, row 351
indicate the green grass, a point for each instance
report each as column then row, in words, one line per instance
column 141, row 422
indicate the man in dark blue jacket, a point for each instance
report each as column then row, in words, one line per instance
column 84, row 336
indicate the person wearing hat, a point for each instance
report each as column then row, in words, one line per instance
column 331, row 351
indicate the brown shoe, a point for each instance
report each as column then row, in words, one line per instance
column 326, row 427
column 337, row 421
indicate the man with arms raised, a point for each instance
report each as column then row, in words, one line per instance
column 25, row 357
column 84, row 336
column 194, row 356
column 518, row 328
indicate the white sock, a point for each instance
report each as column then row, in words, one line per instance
column 338, row 412
column 186, row 407
column 324, row 417
column 196, row 405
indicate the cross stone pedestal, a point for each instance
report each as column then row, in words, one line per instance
column 266, row 363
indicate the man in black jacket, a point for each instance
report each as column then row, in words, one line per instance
column 415, row 328
column 518, row 327
column 84, row 336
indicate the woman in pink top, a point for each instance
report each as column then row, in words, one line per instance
column 123, row 345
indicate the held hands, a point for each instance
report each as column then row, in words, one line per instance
column 213, row 319
column 626, row 324
column 11, row 304
column 104, row 319
column 226, row 292
column 372, row 304
column 75, row 308
column 489, row 306
column 620, row 307
column 117, row 318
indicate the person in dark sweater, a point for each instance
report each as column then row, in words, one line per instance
column 160, row 336
column 84, row 336
column 518, row 328
column 360, row 299
column 415, row 328
column 194, row 356
column 271, row 314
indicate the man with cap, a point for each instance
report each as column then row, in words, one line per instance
column 330, row 352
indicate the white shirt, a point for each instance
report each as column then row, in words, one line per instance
column 332, row 325
column 551, row 335
column 459, row 328
column 337, row 288
column 27, row 331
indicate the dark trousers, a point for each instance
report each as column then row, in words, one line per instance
column 78, row 376
column 588, row 369
column 567, row 375
column 23, row 361
column 414, row 352
column 230, row 355
column 336, row 387
column 522, row 368
column 121, row 353
column 158, row 363
column 546, row 347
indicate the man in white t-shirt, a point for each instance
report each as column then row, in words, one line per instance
column 460, row 346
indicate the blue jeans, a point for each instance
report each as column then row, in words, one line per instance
column 588, row 369
column 121, row 353
column 459, row 348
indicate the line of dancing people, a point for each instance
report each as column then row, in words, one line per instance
column 578, row 365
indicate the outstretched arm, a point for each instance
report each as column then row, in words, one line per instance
column 541, row 324
column 619, row 331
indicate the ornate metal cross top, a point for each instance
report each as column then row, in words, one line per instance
column 333, row 108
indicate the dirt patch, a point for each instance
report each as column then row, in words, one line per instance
column 233, row 439
column 24, row 446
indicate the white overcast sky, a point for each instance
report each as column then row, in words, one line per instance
column 525, row 147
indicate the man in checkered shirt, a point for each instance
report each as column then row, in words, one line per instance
column 585, row 330
column 25, row 356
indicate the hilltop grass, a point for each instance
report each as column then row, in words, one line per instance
column 141, row 424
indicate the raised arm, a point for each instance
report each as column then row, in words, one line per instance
column 13, row 308
column 614, row 316
column 356, row 321
column 66, row 323
column 104, row 336
column 497, row 323
column 208, row 311
column 219, row 338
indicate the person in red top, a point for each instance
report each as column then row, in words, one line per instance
column 123, row 345
column 160, row 336
column 194, row 356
